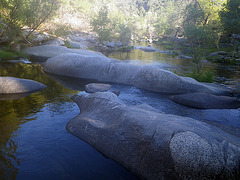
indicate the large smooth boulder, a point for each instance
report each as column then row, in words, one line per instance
column 47, row 51
column 10, row 85
column 206, row 101
column 103, row 69
column 155, row 145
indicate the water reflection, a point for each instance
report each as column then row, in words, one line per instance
column 34, row 143
column 13, row 113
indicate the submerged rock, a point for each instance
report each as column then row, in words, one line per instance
column 155, row 145
column 10, row 85
column 206, row 101
column 103, row 69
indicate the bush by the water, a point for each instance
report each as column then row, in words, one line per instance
column 9, row 55
column 202, row 76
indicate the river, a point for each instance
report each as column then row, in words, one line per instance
column 34, row 143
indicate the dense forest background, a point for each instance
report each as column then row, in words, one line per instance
column 200, row 20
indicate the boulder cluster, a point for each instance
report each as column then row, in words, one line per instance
column 150, row 143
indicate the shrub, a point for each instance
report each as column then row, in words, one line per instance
column 203, row 76
column 9, row 55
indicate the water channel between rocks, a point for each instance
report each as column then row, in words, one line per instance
column 34, row 143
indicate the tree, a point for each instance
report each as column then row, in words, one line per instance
column 10, row 18
column 198, row 31
column 101, row 24
column 230, row 16
column 15, row 14
column 35, row 12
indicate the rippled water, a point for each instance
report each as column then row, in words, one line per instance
column 34, row 143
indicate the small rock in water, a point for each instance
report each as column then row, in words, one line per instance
column 97, row 87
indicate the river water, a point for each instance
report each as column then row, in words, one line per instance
column 34, row 143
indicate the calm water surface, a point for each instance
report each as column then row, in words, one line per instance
column 34, row 143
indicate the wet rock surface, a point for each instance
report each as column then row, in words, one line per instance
column 153, row 144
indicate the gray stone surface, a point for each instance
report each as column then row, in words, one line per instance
column 103, row 69
column 97, row 87
column 56, row 42
column 146, row 49
column 47, row 51
column 77, row 45
column 10, row 85
column 206, row 101
column 111, row 44
column 155, row 145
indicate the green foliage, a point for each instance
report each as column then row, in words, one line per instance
column 124, row 33
column 15, row 14
column 202, row 76
column 35, row 12
column 9, row 55
column 201, row 28
column 230, row 16
column 59, row 30
column 101, row 24
column 197, row 37
column 67, row 44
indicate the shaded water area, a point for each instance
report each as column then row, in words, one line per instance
column 34, row 143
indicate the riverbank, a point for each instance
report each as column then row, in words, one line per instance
column 52, row 107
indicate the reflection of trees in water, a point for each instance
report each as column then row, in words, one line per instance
column 8, row 161
column 13, row 113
